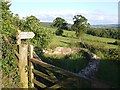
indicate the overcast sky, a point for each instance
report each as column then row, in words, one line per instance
column 96, row 11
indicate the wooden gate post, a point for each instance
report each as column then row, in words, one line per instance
column 23, row 63
column 23, row 54
column 31, row 67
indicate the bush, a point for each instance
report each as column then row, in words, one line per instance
column 11, row 23
column 108, row 53
column 102, row 32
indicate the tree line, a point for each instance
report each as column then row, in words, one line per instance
column 104, row 32
column 80, row 25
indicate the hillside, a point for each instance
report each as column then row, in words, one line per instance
column 97, row 45
column 106, row 26
column 69, row 40
column 46, row 24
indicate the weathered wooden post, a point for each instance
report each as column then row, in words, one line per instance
column 23, row 54
column 23, row 63
column 31, row 67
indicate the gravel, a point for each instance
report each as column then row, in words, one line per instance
column 90, row 70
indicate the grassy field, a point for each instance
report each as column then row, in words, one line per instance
column 108, row 71
column 69, row 40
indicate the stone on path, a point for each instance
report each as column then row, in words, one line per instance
column 90, row 70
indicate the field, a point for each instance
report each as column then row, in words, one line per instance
column 68, row 39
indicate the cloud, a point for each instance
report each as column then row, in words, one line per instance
column 94, row 17
column 101, row 17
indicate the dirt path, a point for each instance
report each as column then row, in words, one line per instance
column 61, row 51
column 90, row 70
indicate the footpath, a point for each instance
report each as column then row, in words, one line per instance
column 90, row 70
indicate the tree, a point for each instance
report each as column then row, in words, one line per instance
column 8, row 61
column 7, row 18
column 61, row 24
column 32, row 23
column 80, row 25
column 42, row 34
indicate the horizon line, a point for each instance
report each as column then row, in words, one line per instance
column 91, row 24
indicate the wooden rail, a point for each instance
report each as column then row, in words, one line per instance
column 60, row 84
column 43, row 75
column 39, row 84
column 57, row 69
column 50, row 76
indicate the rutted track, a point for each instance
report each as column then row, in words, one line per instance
column 90, row 70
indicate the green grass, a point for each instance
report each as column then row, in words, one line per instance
column 59, row 41
column 69, row 40
column 74, row 62
column 98, row 39
column 89, row 37
column 100, row 44
column 108, row 70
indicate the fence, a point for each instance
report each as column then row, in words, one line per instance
column 49, row 72
column 50, row 75
column 27, row 70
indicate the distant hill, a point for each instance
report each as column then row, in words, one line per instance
column 106, row 26
column 48, row 24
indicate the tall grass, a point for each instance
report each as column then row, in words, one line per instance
column 74, row 62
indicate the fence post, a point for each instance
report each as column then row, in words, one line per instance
column 23, row 62
column 31, row 67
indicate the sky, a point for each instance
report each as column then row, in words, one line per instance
column 96, row 11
